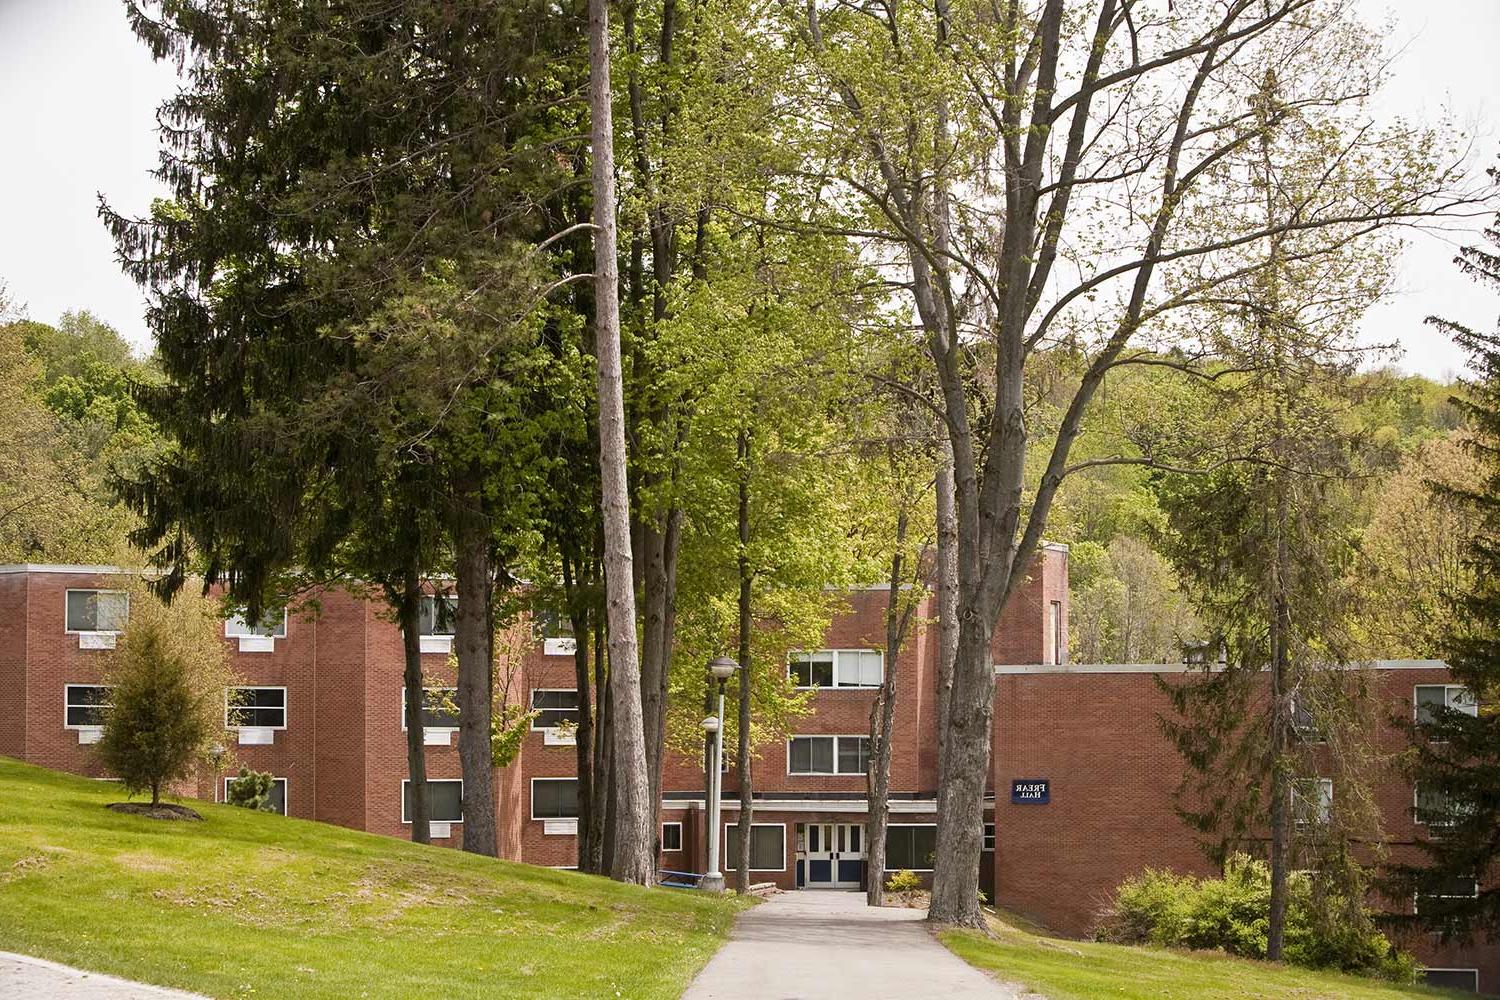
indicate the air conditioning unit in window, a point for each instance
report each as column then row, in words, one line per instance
column 90, row 734
column 559, row 827
column 555, row 736
column 257, row 644
column 439, row 829
column 436, row 644
column 251, row 736
column 437, row 737
column 559, row 646
column 96, row 640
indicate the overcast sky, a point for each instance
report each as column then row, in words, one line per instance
column 80, row 93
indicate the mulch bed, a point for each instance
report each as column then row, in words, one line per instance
column 166, row 810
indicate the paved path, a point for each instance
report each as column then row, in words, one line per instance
column 23, row 978
column 824, row 945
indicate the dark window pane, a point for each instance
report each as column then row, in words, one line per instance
column 854, row 754
column 439, row 708
column 812, row 755
column 555, row 708
column 554, row 799
column 910, row 847
column 671, row 836
column 444, row 801
column 766, row 847
column 812, row 669
column 86, row 704
column 257, row 707
column 96, row 610
column 437, row 615
column 1452, row 979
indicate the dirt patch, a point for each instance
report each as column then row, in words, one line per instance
column 25, row 866
column 143, row 862
column 165, row 810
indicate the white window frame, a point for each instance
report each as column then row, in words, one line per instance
column 447, row 599
column 68, row 703
column 888, row 826
column 664, row 825
column 729, row 862
column 406, row 818
column 1416, row 794
column 531, row 706
column 987, row 838
column 1416, row 709
column 286, row 791
column 1055, row 638
column 1469, row 969
column 285, row 705
column 838, row 655
column 240, row 619
column 835, row 773
column 531, row 799
column 1324, row 815
column 92, row 590
column 435, row 729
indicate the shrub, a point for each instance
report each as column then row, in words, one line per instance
column 251, row 790
column 904, row 884
column 167, row 673
column 1231, row 914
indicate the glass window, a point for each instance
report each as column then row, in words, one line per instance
column 861, row 668
column 910, row 847
column 854, row 754
column 445, row 800
column 97, row 610
column 84, row 704
column 553, row 625
column 812, row 755
column 554, row 707
column 1465, row 980
column 767, row 847
column 1304, row 723
column 270, row 627
column 256, row 707
column 439, row 708
column 1312, row 801
column 1433, row 696
column 438, row 614
column 1436, row 808
column 812, row 669
column 1059, row 644
column 989, row 837
column 671, row 836
column 554, row 798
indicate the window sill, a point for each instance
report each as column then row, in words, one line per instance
column 256, row 736
column 97, row 640
column 559, row 827
column 553, row 738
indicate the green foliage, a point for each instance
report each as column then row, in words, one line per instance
column 1230, row 914
column 905, row 884
column 508, row 728
column 251, row 790
column 167, row 675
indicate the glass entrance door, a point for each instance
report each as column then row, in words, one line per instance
column 835, row 855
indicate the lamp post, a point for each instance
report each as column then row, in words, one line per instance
column 722, row 668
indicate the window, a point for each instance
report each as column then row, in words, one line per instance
column 828, row 754
column 1457, row 887
column 256, row 708
column 84, row 705
column 270, row 627
column 842, row 668
column 671, row 836
column 552, row 625
column 1466, row 980
column 554, row 798
column 1435, row 808
column 445, row 800
column 1429, row 697
column 439, row 708
column 437, row 615
column 910, row 847
column 767, row 847
column 1055, row 630
column 97, row 610
column 1312, row 801
column 1304, row 722
column 989, row 837
column 555, row 706
column 278, row 793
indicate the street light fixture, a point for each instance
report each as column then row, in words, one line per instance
column 721, row 668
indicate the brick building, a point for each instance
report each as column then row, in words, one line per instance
column 321, row 710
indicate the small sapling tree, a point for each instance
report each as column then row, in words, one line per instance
column 251, row 790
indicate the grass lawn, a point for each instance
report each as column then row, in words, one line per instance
column 1080, row 970
column 251, row 904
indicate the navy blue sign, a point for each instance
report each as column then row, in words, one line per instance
column 1030, row 792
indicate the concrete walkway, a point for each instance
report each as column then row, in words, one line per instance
column 25, row 978
column 825, row 945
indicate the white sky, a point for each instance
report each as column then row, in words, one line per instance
column 77, row 118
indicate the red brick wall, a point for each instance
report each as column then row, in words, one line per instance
column 13, row 674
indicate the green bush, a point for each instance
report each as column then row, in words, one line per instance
column 1231, row 914
column 251, row 790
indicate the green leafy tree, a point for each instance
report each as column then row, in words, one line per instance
column 167, row 677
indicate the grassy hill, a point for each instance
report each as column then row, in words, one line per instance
column 251, row 904
column 1084, row 970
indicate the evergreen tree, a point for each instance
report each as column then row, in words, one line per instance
column 1456, row 763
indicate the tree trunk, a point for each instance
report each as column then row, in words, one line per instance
column 947, row 588
column 747, row 802
column 653, row 667
column 473, row 643
column 583, row 750
column 599, row 808
column 882, row 725
column 630, row 787
column 408, row 603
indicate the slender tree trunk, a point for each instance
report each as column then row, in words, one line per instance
column 630, row 787
column 599, row 809
column 653, row 667
column 583, row 750
column 408, row 602
column 882, row 726
column 947, row 588
column 747, row 802
column 473, row 642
